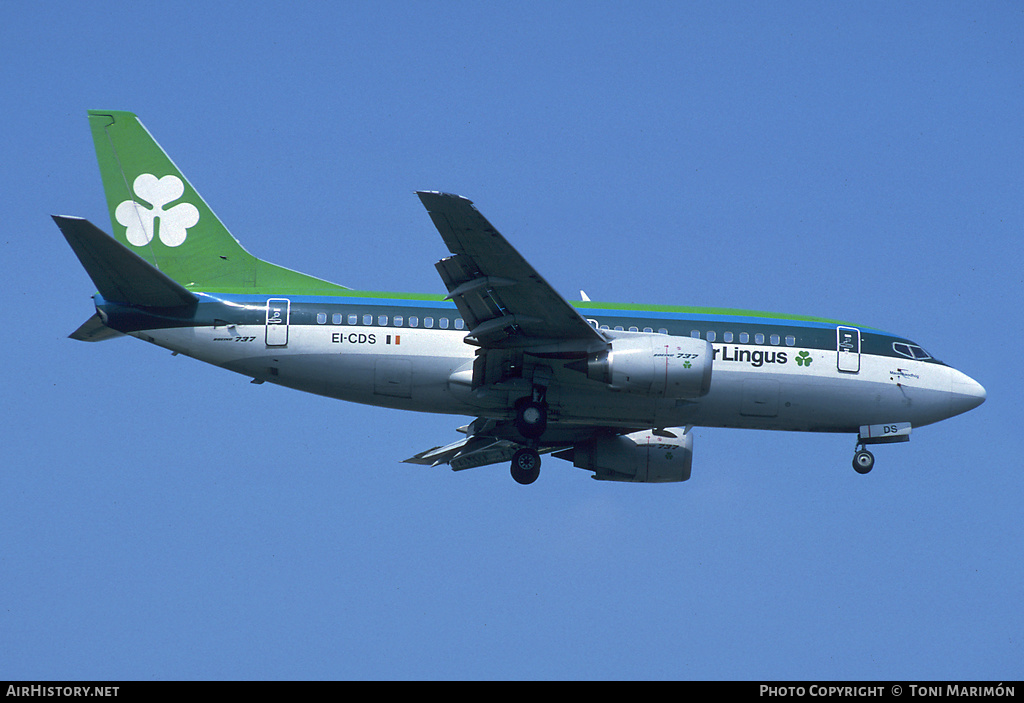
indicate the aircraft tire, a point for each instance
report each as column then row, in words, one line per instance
column 531, row 419
column 525, row 466
column 863, row 461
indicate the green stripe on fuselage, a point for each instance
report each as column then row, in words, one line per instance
column 699, row 313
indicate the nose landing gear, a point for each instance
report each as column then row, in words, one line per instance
column 863, row 460
column 888, row 433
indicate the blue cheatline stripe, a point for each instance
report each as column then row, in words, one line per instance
column 814, row 333
column 722, row 317
column 386, row 300
column 655, row 312
column 605, row 310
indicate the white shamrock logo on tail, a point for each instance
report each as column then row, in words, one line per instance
column 140, row 220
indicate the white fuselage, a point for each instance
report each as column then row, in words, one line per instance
column 760, row 386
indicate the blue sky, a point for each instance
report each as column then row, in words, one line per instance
column 163, row 519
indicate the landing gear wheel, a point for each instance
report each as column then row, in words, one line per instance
column 863, row 461
column 531, row 419
column 525, row 466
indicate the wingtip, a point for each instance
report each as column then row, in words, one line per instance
column 435, row 196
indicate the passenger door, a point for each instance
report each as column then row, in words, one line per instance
column 278, row 310
column 848, row 349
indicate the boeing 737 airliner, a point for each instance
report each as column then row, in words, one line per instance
column 614, row 389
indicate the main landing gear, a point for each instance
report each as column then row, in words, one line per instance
column 525, row 466
column 531, row 420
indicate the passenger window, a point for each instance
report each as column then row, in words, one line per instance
column 790, row 340
column 711, row 335
column 382, row 320
column 337, row 318
column 744, row 337
column 414, row 321
column 634, row 329
column 460, row 323
column 726, row 336
column 648, row 329
column 353, row 319
column 367, row 319
column 428, row 322
column 398, row 320
column 321, row 318
column 759, row 338
column 774, row 339
column 443, row 323
column 695, row 334
column 662, row 330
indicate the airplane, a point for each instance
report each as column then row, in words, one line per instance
column 614, row 389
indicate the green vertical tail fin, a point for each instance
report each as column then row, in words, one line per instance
column 157, row 214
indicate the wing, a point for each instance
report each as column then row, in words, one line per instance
column 467, row 453
column 511, row 313
column 474, row 450
column 504, row 301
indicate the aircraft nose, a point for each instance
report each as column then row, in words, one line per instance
column 966, row 393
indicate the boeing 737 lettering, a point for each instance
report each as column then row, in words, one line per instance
column 613, row 389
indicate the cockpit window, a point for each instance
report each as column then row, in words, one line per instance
column 911, row 351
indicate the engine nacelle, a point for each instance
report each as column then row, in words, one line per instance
column 640, row 457
column 659, row 366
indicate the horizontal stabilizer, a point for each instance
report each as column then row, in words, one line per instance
column 93, row 330
column 121, row 275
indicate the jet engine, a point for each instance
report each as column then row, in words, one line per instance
column 650, row 456
column 659, row 366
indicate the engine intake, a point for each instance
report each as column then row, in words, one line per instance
column 660, row 366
